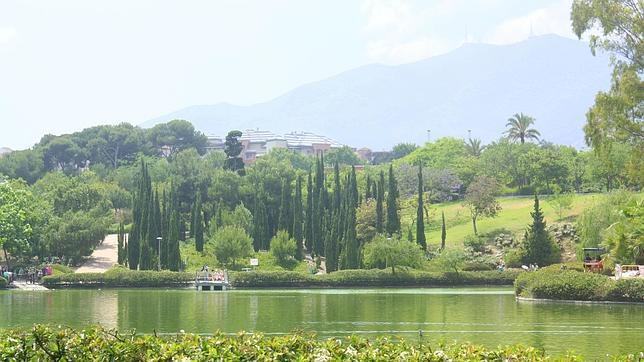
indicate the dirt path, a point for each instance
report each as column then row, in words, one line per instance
column 103, row 257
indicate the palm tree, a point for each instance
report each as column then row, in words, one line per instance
column 519, row 128
column 474, row 147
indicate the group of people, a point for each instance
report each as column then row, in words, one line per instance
column 593, row 265
column 30, row 274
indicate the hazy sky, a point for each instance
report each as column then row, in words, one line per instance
column 66, row 65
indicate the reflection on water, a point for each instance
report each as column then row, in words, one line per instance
column 489, row 316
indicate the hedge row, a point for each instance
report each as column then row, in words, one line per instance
column 371, row 278
column 120, row 277
column 562, row 284
column 97, row 344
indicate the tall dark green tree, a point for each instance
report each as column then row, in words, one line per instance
column 198, row 225
column 233, row 148
column 443, row 231
column 538, row 244
column 140, row 209
column 420, row 214
column 351, row 245
column 367, row 189
column 308, row 223
column 261, row 231
column 393, row 221
column 380, row 197
column 121, row 256
column 285, row 219
column 298, row 232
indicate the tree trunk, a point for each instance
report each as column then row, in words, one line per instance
column 6, row 257
column 474, row 225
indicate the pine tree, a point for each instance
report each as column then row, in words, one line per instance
column 443, row 231
column 393, row 221
column 380, row 196
column 198, row 225
column 539, row 247
column 298, row 233
column 420, row 215
column 308, row 223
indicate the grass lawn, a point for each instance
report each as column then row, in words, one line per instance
column 514, row 216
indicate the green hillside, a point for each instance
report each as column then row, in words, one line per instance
column 514, row 217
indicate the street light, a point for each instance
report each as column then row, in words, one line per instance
column 159, row 256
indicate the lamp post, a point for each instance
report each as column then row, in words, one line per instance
column 159, row 256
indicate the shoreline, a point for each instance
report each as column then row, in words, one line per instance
column 568, row 301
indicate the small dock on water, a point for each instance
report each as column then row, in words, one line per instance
column 28, row 286
column 206, row 280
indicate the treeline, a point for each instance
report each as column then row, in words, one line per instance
column 107, row 146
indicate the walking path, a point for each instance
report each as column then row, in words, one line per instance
column 104, row 256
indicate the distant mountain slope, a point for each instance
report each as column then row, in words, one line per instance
column 475, row 87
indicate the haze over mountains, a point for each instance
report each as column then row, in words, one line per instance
column 476, row 87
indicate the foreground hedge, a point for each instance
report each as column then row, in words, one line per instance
column 47, row 344
column 120, row 277
column 371, row 278
column 554, row 283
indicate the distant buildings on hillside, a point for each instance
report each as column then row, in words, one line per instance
column 257, row 143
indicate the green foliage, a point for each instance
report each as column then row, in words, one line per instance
column 392, row 225
column 451, row 260
column 343, row 156
column 564, row 284
column 370, row 278
column 561, row 202
column 44, row 343
column 3, row 283
column 391, row 253
column 625, row 238
column 197, row 225
column 120, row 277
column 480, row 198
column 443, row 230
column 519, row 128
column 539, row 248
column 420, row 213
column 15, row 225
column 230, row 244
column 402, row 149
column 283, row 248
column 232, row 149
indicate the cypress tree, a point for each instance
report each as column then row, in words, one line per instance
column 308, row 221
column 298, row 233
column 420, row 218
column 139, row 218
column 198, row 225
column 380, row 196
column 173, row 260
column 443, row 231
column 285, row 219
column 318, row 223
column 393, row 221
column 351, row 241
column 120, row 246
column 367, row 189
column 539, row 247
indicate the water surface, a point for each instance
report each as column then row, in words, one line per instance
column 488, row 316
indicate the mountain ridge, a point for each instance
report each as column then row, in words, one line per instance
column 475, row 87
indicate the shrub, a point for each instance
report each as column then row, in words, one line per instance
column 61, row 269
column 371, row 278
column 514, row 258
column 555, row 282
column 95, row 343
column 3, row 283
column 391, row 253
column 451, row 260
column 232, row 243
column 283, row 247
column 475, row 243
column 120, row 277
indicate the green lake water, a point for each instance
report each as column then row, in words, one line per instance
column 488, row 316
